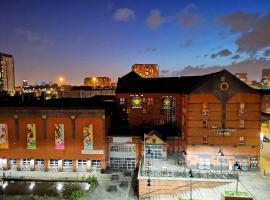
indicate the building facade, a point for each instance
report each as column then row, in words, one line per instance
column 65, row 135
column 146, row 70
column 98, row 82
column 7, row 77
column 215, row 113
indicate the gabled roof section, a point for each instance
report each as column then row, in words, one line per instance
column 133, row 83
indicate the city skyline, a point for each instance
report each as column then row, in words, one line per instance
column 59, row 38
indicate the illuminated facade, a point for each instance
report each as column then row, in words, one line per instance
column 215, row 112
column 56, row 135
column 98, row 82
column 146, row 70
column 7, row 78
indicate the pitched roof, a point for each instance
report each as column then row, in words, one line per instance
column 132, row 82
column 163, row 131
column 95, row 102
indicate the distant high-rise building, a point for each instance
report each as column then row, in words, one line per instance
column 7, row 78
column 146, row 70
column 266, row 77
column 242, row 76
column 98, row 82
column 24, row 83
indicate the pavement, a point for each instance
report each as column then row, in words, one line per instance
column 253, row 182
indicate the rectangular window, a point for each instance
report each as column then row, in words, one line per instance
column 128, row 110
column 242, row 110
column 205, row 110
column 204, row 140
column 150, row 101
column 204, row 123
column 122, row 101
column 242, row 123
column 241, row 140
column 144, row 110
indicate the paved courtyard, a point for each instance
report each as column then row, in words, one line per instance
column 252, row 182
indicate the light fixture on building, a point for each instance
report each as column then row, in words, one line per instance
column 43, row 116
column 72, row 117
column 15, row 116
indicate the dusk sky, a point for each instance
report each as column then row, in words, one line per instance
column 81, row 38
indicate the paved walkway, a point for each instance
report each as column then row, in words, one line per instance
column 256, row 184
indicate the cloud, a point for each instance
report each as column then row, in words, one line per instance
column 32, row 37
column 124, row 15
column 222, row 53
column 252, row 30
column 188, row 43
column 239, row 21
column 266, row 52
column 235, row 57
column 155, row 19
column 189, row 17
column 253, row 67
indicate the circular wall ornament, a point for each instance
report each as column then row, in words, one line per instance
column 137, row 102
column 224, row 86
column 167, row 102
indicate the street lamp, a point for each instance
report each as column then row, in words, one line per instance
column 191, row 176
column 61, row 80
column 148, row 172
column 221, row 154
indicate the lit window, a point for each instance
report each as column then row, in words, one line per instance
column 242, row 123
column 242, row 110
column 150, row 101
column 122, row 100
column 204, row 124
column 241, row 140
column 144, row 110
column 128, row 110
column 205, row 110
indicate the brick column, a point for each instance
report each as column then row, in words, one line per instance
column 46, row 164
column 74, row 167
column 18, row 164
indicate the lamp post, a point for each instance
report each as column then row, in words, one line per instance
column 148, row 172
column 190, row 175
column 184, row 153
column 237, row 180
column 221, row 154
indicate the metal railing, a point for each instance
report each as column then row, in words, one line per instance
column 210, row 174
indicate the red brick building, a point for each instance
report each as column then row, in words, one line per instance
column 215, row 112
column 59, row 134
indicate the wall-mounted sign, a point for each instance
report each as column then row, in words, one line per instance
column 88, row 137
column 224, row 131
column 167, row 102
column 31, row 136
column 59, row 136
column 122, row 139
column 92, row 152
column 3, row 136
column 136, row 102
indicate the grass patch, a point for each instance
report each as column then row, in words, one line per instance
column 236, row 194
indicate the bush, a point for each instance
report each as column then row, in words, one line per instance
column 92, row 180
column 33, row 197
column 77, row 194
